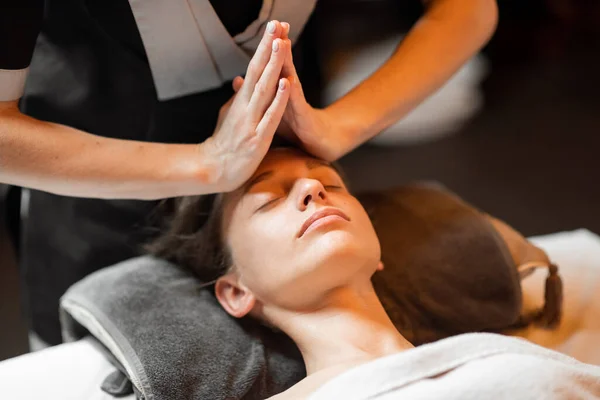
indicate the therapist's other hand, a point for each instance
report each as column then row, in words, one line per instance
column 248, row 122
column 315, row 130
column 312, row 128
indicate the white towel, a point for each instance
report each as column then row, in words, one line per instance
column 471, row 366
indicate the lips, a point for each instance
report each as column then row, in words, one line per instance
column 325, row 212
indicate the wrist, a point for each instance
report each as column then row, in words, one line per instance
column 191, row 168
column 361, row 116
column 209, row 168
column 343, row 128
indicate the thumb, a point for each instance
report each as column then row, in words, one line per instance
column 296, row 93
column 237, row 83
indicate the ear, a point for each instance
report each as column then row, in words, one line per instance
column 236, row 299
column 380, row 266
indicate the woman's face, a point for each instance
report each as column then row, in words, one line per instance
column 295, row 232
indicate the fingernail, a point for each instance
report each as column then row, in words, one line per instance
column 271, row 27
column 275, row 45
column 281, row 84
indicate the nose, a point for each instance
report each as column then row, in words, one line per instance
column 310, row 190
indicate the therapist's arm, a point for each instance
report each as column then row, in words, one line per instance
column 63, row 160
column 445, row 37
column 449, row 33
column 67, row 161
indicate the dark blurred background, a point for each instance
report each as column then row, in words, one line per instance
column 516, row 132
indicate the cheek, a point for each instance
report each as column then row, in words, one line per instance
column 364, row 227
column 257, row 249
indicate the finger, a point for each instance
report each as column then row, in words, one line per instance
column 261, row 58
column 289, row 64
column 272, row 118
column 289, row 70
column 237, row 83
column 286, row 30
column 267, row 85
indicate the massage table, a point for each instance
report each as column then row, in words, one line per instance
column 75, row 371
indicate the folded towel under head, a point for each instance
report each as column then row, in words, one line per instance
column 173, row 339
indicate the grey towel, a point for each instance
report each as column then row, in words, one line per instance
column 173, row 339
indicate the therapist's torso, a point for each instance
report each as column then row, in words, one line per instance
column 112, row 69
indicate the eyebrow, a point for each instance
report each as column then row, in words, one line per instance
column 314, row 163
column 257, row 179
column 310, row 164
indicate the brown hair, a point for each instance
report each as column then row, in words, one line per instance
column 192, row 238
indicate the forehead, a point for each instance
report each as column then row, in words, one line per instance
column 277, row 161
column 288, row 160
column 278, row 158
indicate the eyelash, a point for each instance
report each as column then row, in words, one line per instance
column 268, row 203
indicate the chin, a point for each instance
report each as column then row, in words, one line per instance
column 350, row 253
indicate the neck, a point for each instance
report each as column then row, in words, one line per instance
column 351, row 328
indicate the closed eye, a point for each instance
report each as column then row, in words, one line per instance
column 267, row 204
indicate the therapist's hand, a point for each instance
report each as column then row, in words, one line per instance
column 247, row 123
column 315, row 130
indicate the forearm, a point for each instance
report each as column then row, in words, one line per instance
column 449, row 33
column 66, row 161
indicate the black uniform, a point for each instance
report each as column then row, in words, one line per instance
column 90, row 71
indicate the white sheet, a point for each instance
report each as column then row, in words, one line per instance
column 577, row 255
column 75, row 371
column 72, row 371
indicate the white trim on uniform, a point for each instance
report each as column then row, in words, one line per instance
column 190, row 50
column 12, row 83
